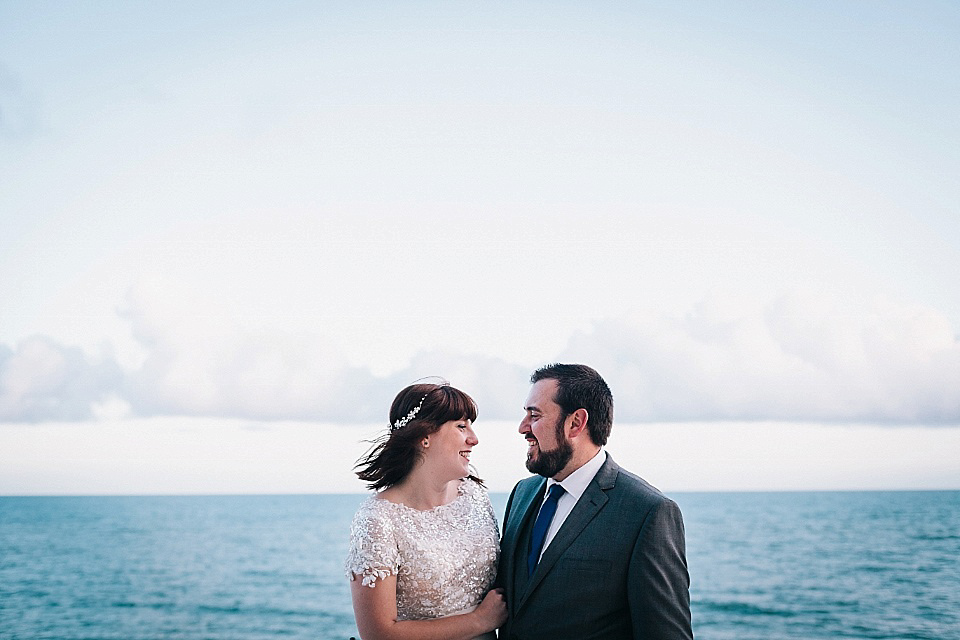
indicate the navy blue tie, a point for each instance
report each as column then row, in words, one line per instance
column 541, row 525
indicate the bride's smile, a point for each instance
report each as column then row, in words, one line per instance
column 453, row 443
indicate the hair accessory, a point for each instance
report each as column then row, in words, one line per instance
column 402, row 422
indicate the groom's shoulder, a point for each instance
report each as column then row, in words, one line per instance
column 531, row 483
column 526, row 488
column 636, row 488
column 522, row 495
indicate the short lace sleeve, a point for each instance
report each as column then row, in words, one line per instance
column 373, row 546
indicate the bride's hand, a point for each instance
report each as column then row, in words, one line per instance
column 492, row 610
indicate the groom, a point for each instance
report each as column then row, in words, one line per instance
column 603, row 555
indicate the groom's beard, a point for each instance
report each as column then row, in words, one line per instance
column 550, row 463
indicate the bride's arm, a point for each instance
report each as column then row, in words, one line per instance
column 376, row 612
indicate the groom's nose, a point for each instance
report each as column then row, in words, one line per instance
column 524, row 425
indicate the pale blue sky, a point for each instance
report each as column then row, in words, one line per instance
column 743, row 214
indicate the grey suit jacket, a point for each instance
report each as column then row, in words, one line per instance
column 616, row 569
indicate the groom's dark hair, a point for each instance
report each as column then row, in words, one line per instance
column 580, row 387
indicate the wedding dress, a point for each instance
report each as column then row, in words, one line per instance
column 445, row 558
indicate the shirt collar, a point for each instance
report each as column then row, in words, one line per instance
column 578, row 481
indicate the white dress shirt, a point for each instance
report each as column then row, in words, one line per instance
column 573, row 485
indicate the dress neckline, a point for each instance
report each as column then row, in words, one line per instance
column 461, row 492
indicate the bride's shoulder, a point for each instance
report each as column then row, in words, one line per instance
column 472, row 488
column 371, row 508
column 373, row 518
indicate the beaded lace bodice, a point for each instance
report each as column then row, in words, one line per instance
column 445, row 559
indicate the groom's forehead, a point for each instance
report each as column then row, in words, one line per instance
column 542, row 394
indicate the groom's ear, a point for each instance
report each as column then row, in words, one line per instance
column 578, row 422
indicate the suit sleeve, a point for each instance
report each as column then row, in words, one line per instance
column 506, row 510
column 659, row 583
column 500, row 581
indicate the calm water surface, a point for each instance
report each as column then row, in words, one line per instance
column 764, row 566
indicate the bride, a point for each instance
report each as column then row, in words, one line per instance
column 424, row 548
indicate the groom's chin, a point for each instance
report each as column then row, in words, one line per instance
column 532, row 463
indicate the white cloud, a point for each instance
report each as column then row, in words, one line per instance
column 206, row 365
column 803, row 357
column 299, row 377
column 213, row 365
column 43, row 380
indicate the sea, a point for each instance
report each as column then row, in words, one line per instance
column 764, row 566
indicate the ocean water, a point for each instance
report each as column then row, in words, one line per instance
column 764, row 566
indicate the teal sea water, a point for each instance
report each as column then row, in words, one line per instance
column 764, row 566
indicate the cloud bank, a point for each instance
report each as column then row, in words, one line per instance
column 800, row 358
column 42, row 380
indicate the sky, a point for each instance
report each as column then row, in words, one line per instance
column 230, row 235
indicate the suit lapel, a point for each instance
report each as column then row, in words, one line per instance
column 524, row 509
column 593, row 500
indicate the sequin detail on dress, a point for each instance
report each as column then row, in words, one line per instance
column 445, row 559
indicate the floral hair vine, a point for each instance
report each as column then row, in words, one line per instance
column 402, row 422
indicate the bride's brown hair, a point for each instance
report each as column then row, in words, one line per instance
column 394, row 454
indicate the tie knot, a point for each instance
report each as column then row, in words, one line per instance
column 555, row 492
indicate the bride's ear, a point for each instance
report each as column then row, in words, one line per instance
column 425, row 443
